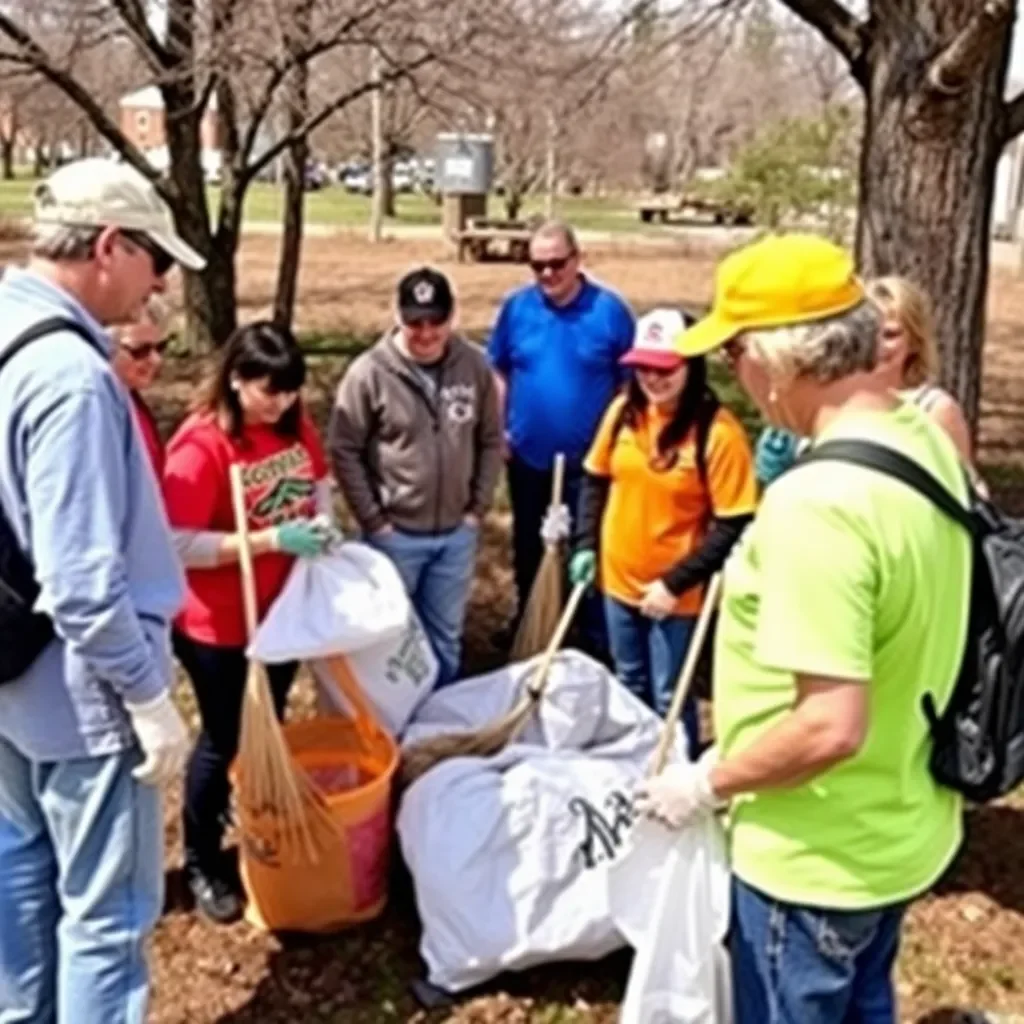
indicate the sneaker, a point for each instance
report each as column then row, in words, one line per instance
column 215, row 898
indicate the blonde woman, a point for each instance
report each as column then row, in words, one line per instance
column 909, row 359
column 137, row 357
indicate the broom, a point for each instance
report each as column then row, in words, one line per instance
column 420, row 757
column 545, row 600
column 268, row 780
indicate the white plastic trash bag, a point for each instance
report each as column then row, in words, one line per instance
column 396, row 675
column 508, row 854
column 342, row 601
column 669, row 894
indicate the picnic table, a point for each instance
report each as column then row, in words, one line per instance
column 484, row 237
column 666, row 207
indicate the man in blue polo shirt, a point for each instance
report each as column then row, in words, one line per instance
column 556, row 348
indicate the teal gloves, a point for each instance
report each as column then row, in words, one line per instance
column 776, row 450
column 304, row 538
column 583, row 568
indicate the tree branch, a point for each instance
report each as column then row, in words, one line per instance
column 954, row 67
column 1013, row 117
column 342, row 100
column 134, row 17
column 32, row 56
column 839, row 27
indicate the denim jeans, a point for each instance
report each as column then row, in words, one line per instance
column 648, row 655
column 805, row 965
column 81, row 888
column 437, row 570
column 218, row 676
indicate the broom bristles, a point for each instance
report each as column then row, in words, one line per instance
column 543, row 607
column 270, row 781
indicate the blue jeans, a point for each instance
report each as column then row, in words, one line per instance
column 805, row 965
column 648, row 655
column 437, row 570
column 81, row 888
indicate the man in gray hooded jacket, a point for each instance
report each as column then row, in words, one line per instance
column 417, row 447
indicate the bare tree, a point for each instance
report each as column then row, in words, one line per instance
column 223, row 48
column 933, row 75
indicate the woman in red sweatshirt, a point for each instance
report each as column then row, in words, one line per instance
column 249, row 413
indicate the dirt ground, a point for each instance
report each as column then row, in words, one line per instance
column 963, row 944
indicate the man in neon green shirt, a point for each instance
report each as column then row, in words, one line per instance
column 844, row 604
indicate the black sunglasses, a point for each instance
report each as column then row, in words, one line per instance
column 146, row 349
column 162, row 261
column 554, row 265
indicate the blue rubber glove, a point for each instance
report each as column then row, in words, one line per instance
column 583, row 567
column 776, row 450
column 302, row 538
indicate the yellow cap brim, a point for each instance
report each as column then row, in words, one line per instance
column 705, row 336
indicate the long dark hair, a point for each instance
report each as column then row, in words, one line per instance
column 697, row 404
column 254, row 351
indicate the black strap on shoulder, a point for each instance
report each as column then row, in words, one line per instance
column 52, row 325
column 894, row 464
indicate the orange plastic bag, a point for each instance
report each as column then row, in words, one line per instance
column 344, row 880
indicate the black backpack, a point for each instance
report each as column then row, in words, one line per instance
column 23, row 632
column 978, row 738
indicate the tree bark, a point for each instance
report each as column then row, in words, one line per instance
column 294, row 203
column 387, row 181
column 7, row 157
column 927, row 175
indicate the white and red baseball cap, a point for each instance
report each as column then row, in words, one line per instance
column 655, row 341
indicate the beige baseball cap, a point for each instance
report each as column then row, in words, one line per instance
column 97, row 192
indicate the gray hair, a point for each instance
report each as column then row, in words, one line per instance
column 557, row 229
column 64, row 241
column 155, row 311
column 826, row 350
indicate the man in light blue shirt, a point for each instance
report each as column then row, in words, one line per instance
column 88, row 732
column 556, row 348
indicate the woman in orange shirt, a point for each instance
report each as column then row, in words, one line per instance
column 668, row 487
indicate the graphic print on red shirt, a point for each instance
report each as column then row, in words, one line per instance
column 279, row 475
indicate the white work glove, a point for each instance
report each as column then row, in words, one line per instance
column 556, row 525
column 680, row 794
column 329, row 530
column 163, row 738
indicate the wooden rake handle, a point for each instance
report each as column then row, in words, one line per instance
column 689, row 670
column 244, row 550
column 536, row 685
column 558, row 481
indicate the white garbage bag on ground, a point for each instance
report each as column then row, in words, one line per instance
column 508, row 854
column 397, row 675
column 342, row 601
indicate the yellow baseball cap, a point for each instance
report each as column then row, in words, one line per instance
column 780, row 279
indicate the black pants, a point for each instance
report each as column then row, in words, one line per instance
column 529, row 491
column 218, row 679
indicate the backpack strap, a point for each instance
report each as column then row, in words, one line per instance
column 896, row 465
column 42, row 329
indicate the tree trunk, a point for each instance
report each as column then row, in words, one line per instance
column 927, row 175
column 7, row 157
column 513, row 200
column 387, row 182
column 294, row 203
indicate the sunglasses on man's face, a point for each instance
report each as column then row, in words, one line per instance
column 161, row 261
column 556, row 264
column 145, row 349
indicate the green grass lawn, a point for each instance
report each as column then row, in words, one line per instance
column 335, row 207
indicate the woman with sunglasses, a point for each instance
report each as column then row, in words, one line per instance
column 137, row 357
column 668, row 488
column 250, row 412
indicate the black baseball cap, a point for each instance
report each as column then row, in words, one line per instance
column 425, row 294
